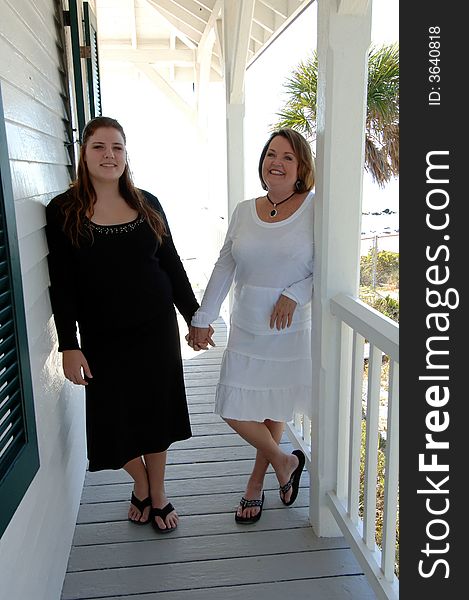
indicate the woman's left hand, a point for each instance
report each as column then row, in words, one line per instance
column 199, row 338
column 282, row 314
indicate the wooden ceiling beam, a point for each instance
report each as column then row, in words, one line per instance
column 175, row 26
column 141, row 55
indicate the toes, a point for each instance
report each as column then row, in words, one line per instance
column 172, row 520
column 169, row 522
column 134, row 515
column 247, row 513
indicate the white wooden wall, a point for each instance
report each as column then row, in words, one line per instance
column 35, row 547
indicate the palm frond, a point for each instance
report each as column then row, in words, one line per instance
column 383, row 84
column 382, row 115
column 376, row 162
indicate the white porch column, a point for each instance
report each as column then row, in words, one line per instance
column 237, row 19
column 235, row 154
column 344, row 34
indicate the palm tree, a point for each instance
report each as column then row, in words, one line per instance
column 382, row 115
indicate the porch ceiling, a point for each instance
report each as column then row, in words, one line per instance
column 173, row 36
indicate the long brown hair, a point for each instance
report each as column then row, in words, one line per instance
column 81, row 198
column 302, row 150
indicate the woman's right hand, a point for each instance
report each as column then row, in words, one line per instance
column 75, row 366
column 199, row 338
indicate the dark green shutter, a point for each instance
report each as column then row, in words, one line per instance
column 92, row 60
column 12, row 427
column 19, row 460
column 77, row 71
column 91, row 97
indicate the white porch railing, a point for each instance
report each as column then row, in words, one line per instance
column 360, row 402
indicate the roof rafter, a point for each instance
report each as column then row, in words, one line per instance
column 173, row 26
column 280, row 7
column 197, row 25
column 184, row 57
column 191, row 23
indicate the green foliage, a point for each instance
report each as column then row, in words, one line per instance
column 388, row 306
column 379, row 269
column 379, row 273
column 299, row 112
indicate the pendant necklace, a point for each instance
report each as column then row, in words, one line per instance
column 274, row 212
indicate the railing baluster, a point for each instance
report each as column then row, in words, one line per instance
column 392, row 475
column 297, row 421
column 355, row 426
column 307, row 430
column 371, row 453
column 345, row 383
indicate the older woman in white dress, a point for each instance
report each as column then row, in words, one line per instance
column 266, row 369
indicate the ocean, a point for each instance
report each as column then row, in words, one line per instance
column 380, row 216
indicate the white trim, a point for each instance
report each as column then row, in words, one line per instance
column 371, row 455
column 392, row 474
column 291, row 19
column 368, row 560
column 370, row 323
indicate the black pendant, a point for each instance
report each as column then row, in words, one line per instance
column 273, row 213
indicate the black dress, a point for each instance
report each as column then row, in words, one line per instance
column 121, row 288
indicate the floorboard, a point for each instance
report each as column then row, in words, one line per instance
column 209, row 556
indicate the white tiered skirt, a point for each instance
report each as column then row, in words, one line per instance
column 265, row 375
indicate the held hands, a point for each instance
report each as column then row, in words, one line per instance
column 75, row 366
column 282, row 314
column 199, row 338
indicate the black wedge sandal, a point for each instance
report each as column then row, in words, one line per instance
column 294, row 481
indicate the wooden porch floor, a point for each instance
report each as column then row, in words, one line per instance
column 209, row 557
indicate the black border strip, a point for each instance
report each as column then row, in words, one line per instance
column 433, row 264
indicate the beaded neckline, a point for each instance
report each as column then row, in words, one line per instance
column 119, row 228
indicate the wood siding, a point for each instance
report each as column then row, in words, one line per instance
column 34, row 91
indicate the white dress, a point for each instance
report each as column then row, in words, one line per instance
column 265, row 373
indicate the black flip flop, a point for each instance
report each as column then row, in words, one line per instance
column 140, row 505
column 294, row 481
column 162, row 513
column 250, row 504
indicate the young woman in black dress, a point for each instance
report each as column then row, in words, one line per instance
column 115, row 272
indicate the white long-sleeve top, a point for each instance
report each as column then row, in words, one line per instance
column 265, row 260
